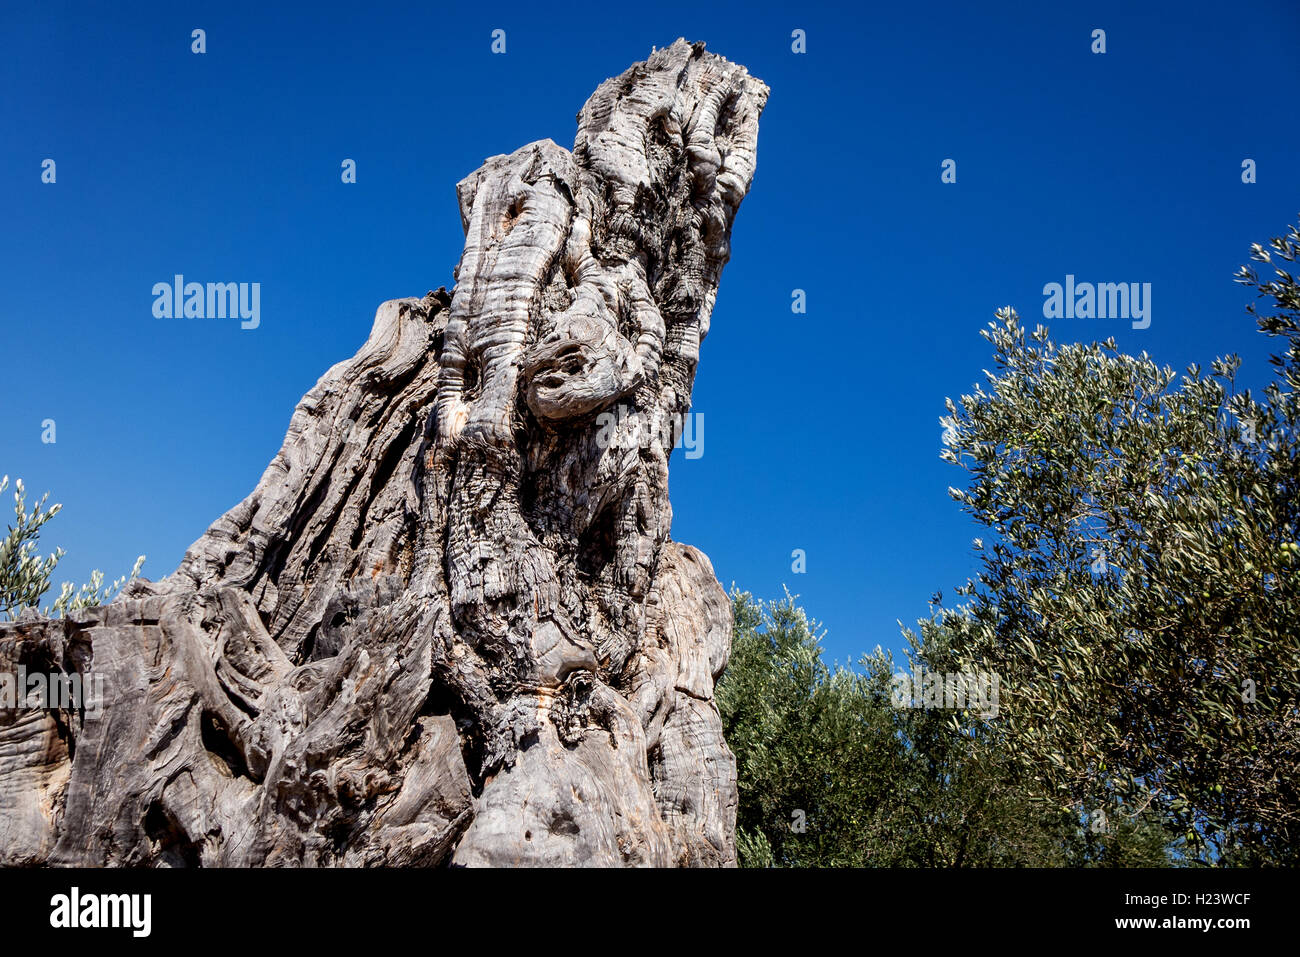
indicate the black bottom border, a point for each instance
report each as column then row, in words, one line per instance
column 235, row 908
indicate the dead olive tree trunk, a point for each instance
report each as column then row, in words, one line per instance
column 449, row 624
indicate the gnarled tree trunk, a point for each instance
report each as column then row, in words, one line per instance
column 449, row 624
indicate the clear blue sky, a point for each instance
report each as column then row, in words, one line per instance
column 821, row 430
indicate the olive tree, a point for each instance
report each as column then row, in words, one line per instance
column 1139, row 594
column 25, row 576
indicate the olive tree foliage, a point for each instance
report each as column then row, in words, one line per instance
column 25, row 576
column 1140, row 593
column 815, row 750
column 832, row 773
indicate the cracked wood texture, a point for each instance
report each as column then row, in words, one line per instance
column 449, row 625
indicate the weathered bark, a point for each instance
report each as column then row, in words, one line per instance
column 448, row 625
